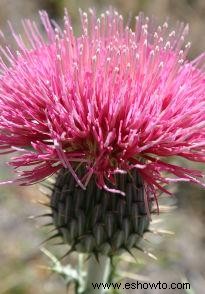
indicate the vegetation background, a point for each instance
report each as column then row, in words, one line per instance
column 181, row 256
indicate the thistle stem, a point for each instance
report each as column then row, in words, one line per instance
column 97, row 272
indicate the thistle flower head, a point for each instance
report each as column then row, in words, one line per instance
column 112, row 100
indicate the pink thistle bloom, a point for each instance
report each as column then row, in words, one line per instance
column 111, row 99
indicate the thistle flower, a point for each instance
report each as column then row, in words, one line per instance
column 112, row 103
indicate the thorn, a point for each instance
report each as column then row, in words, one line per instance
column 97, row 257
column 146, row 252
column 59, row 243
column 112, row 262
column 40, row 215
column 160, row 232
column 167, row 208
column 47, row 225
column 50, row 238
column 151, row 255
column 157, row 221
column 50, row 187
column 67, row 253
column 46, row 204
column 150, row 231
column 130, row 252
column 138, row 248
column 52, row 230
column 88, row 257
column 55, row 228
column 163, row 209
column 146, row 240
column 47, row 195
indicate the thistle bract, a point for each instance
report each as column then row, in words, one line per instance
column 96, row 221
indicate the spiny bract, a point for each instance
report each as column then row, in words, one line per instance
column 96, row 221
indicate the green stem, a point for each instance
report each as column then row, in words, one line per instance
column 97, row 272
column 79, row 285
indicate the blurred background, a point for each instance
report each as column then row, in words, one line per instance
column 180, row 256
